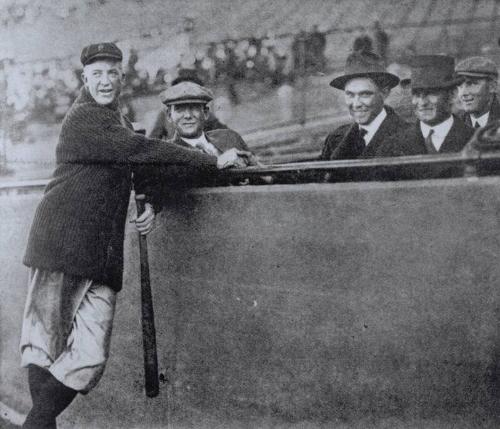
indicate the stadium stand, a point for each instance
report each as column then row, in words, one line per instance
column 244, row 50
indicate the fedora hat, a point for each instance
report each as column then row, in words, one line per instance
column 365, row 64
column 433, row 72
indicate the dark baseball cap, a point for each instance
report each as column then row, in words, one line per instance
column 99, row 51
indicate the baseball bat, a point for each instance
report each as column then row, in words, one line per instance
column 147, row 314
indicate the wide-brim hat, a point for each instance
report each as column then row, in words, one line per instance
column 365, row 64
column 186, row 93
column 433, row 72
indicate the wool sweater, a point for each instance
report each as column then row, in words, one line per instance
column 79, row 224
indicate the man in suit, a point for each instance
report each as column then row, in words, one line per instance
column 163, row 127
column 366, row 84
column 437, row 130
column 477, row 92
column 187, row 110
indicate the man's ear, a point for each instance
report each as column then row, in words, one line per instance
column 168, row 111
column 84, row 78
column 206, row 111
column 493, row 86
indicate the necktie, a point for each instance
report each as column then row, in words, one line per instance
column 358, row 145
column 428, row 143
column 476, row 125
column 362, row 134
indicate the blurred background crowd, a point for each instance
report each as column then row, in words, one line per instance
column 44, row 90
column 269, row 62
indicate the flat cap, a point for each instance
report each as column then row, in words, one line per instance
column 99, row 51
column 477, row 67
column 186, row 93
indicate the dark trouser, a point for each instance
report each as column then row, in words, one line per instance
column 50, row 397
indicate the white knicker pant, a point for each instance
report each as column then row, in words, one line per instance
column 67, row 327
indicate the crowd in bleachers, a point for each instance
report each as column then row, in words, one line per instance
column 44, row 90
column 40, row 91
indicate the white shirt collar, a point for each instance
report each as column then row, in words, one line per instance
column 440, row 131
column 483, row 119
column 373, row 126
column 203, row 144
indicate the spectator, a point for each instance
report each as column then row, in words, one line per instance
column 437, row 131
column 381, row 40
column 299, row 53
column 363, row 43
column 400, row 97
column 316, row 48
column 163, row 127
column 477, row 92
column 187, row 111
column 366, row 84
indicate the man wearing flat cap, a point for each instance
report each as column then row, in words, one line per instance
column 477, row 92
column 187, row 110
column 437, row 130
column 366, row 84
column 75, row 246
column 163, row 127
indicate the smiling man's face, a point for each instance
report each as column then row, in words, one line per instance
column 103, row 79
column 432, row 106
column 476, row 94
column 364, row 99
column 189, row 118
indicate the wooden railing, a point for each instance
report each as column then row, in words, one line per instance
column 481, row 157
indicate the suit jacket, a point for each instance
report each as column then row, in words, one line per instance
column 177, row 177
column 222, row 139
column 411, row 141
column 494, row 113
column 345, row 143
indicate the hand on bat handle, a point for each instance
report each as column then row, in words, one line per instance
column 145, row 215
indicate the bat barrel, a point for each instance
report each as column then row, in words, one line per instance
column 147, row 314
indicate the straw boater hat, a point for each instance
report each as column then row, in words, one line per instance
column 433, row 72
column 365, row 64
